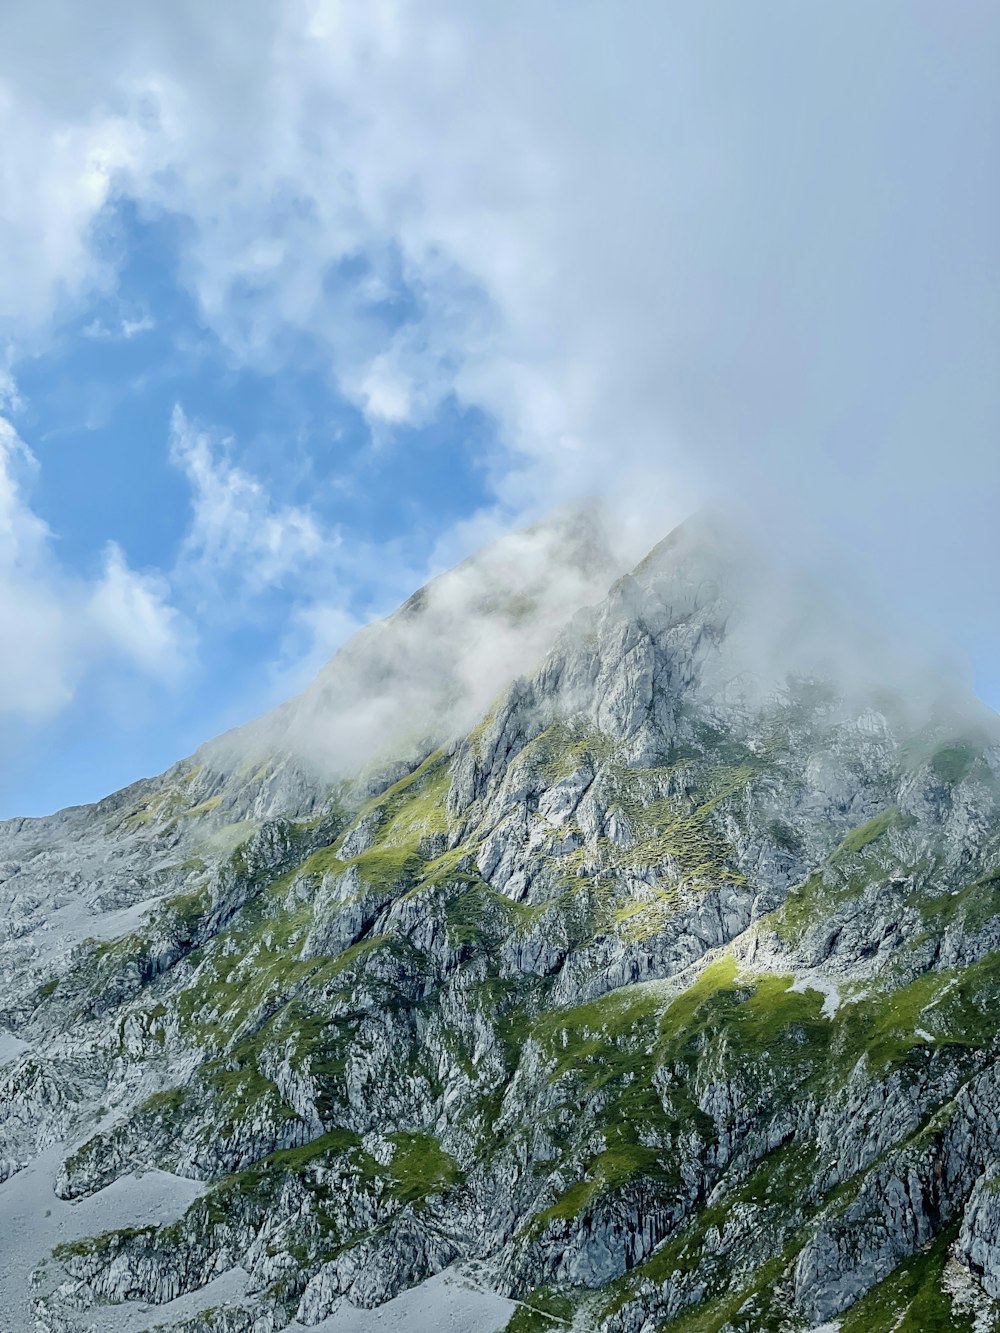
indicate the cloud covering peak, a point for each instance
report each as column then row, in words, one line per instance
column 666, row 252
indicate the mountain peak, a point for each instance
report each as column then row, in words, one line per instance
column 566, row 930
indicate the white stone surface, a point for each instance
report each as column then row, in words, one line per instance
column 446, row 1303
column 33, row 1220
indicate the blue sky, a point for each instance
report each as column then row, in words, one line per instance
column 301, row 303
column 97, row 406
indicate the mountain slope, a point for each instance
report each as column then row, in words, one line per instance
column 666, row 993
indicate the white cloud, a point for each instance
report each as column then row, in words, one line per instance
column 239, row 539
column 56, row 174
column 131, row 328
column 125, row 328
column 23, row 535
column 385, row 392
column 314, row 634
column 130, row 614
column 56, row 627
column 747, row 250
column 430, row 669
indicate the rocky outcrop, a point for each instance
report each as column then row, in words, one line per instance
column 978, row 1244
column 668, row 987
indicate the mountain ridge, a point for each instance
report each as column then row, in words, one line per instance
column 662, row 991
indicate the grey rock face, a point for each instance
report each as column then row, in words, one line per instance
column 668, row 987
column 978, row 1245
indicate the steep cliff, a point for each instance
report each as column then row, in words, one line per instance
column 665, row 996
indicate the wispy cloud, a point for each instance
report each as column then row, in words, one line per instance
column 124, row 328
column 750, row 254
column 238, row 535
column 56, row 626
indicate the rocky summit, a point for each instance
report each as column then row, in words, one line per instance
column 651, row 982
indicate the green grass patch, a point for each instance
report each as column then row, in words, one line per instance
column 955, row 1008
column 912, row 1299
column 108, row 1240
column 680, row 828
column 803, row 905
column 188, row 909
column 206, row 807
column 563, row 749
column 420, row 1168
column 167, row 1104
column 244, row 1093
column 335, row 1143
column 865, row 834
column 756, row 1018
column 543, row 1310
column 971, row 907
column 722, row 1313
column 775, row 1190
column 954, row 762
column 407, row 813
column 608, row 1050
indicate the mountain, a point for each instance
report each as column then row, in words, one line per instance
column 630, row 946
